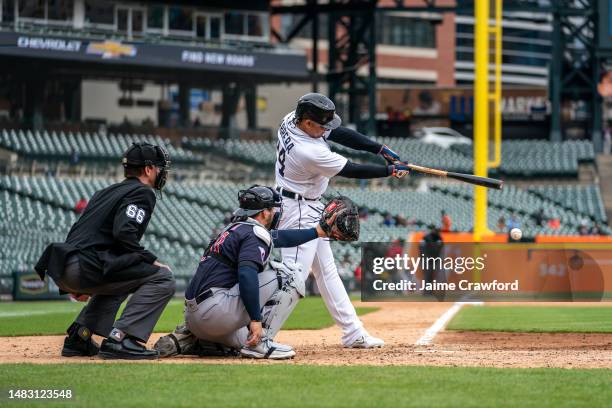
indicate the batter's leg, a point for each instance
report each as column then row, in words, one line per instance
column 334, row 293
column 299, row 215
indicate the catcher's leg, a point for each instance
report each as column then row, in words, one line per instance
column 275, row 311
column 280, row 288
column 222, row 317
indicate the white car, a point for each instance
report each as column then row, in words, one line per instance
column 441, row 136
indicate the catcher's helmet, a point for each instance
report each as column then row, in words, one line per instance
column 318, row 108
column 256, row 199
column 141, row 154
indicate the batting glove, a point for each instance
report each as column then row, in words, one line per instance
column 389, row 155
column 400, row 170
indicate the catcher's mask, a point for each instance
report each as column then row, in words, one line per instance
column 257, row 198
column 141, row 154
column 318, row 108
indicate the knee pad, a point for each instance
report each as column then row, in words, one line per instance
column 290, row 274
column 282, row 302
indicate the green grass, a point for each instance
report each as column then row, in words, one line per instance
column 551, row 319
column 286, row 385
column 39, row 318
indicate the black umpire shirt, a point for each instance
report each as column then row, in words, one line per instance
column 107, row 237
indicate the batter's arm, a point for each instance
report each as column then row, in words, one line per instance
column 355, row 140
column 365, row 171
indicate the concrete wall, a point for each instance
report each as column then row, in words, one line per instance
column 100, row 100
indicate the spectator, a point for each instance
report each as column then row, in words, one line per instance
column 512, row 222
column 596, row 230
column 148, row 123
column 401, row 221
column 363, row 213
column 357, row 273
column 539, row 217
column 554, row 223
column 501, row 224
column 431, row 247
column 427, row 104
column 389, row 221
column 396, row 248
column 583, row 228
column 74, row 157
column 391, row 114
column 447, row 223
column 80, row 205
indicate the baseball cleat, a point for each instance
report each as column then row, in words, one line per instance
column 127, row 349
column 268, row 349
column 366, row 342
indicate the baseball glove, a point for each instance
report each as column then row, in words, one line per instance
column 345, row 223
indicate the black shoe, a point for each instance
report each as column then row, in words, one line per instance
column 79, row 343
column 127, row 349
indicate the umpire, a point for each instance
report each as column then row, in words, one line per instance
column 102, row 257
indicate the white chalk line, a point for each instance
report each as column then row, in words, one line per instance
column 427, row 337
column 34, row 313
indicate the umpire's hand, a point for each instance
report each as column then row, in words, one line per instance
column 79, row 297
column 161, row 265
column 255, row 335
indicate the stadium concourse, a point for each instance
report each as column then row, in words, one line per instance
column 40, row 186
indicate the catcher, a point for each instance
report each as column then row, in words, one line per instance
column 237, row 301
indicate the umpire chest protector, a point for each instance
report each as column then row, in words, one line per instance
column 214, row 248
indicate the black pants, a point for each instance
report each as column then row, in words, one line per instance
column 150, row 295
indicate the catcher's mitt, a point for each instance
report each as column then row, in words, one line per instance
column 340, row 219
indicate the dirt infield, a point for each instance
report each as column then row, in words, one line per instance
column 400, row 325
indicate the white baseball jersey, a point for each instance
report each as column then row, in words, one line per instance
column 304, row 164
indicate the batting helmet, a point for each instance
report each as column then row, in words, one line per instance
column 318, row 108
column 255, row 199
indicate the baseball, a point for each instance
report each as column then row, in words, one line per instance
column 516, row 233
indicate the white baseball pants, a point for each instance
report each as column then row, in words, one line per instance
column 316, row 255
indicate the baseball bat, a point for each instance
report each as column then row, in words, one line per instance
column 468, row 178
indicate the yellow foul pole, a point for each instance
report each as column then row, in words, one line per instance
column 481, row 113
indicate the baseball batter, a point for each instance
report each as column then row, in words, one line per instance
column 304, row 165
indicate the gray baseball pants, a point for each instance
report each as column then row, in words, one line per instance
column 150, row 295
column 222, row 318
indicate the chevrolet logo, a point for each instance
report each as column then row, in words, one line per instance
column 111, row 49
